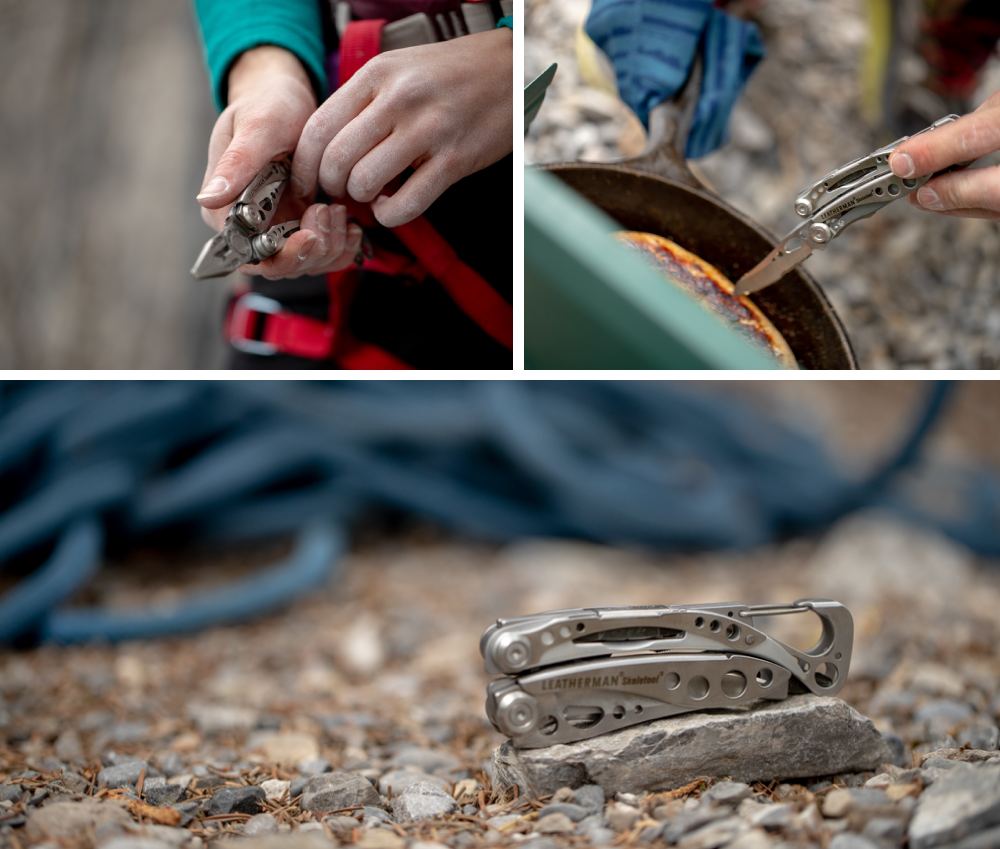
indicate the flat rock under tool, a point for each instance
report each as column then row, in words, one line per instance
column 802, row 737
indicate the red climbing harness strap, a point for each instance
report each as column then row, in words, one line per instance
column 359, row 43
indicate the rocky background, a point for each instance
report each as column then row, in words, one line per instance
column 913, row 289
column 355, row 717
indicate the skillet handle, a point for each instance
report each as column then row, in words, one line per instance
column 669, row 126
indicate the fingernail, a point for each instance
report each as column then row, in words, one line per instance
column 928, row 199
column 216, row 186
column 340, row 218
column 306, row 248
column 323, row 219
column 902, row 165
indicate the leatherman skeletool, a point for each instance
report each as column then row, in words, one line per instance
column 578, row 673
column 854, row 191
column 245, row 236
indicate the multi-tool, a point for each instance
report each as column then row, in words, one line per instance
column 574, row 674
column 854, row 191
column 245, row 237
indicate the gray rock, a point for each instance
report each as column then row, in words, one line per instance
column 188, row 810
column 71, row 819
column 297, row 786
column 574, row 812
column 68, row 746
column 11, row 792
column 372, row 814
column 988, row 839
column 885, row 830
column 171, row 764
column 591, row 797
column 237, row 800
column 897, row 745
column 949, row 710
column 692, row 820
column 340, row 824
column 159, row 794
column 729, row 792
column 333, row 791
column 801, row 736
column 714, row 835
column 771, row 817
column 422, row 801
column 260, row 824
column 397, row 780
column 315, row 766
column 74, row 783
column 122, row 774
column 985, row 739
column 959, row 803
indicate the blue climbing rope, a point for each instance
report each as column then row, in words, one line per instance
column 87, row 468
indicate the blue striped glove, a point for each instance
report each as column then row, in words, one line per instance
column 652, row 43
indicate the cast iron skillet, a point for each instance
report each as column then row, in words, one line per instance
column 657, row 193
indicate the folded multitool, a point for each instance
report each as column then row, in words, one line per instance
column 246, row 237
column 854, row 191
column 573, row 674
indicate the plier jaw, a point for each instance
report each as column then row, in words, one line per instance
column 245, row 237
column 847, row 194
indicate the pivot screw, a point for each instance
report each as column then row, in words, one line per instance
column 820, row 233
column 513, row 652
column 803, row 207
column 517, row 713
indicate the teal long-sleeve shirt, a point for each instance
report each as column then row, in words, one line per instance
column 229, row 28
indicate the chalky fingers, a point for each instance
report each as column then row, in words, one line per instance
column 971, row 193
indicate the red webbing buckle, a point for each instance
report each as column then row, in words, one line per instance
column 258, row 325
column 359, row 43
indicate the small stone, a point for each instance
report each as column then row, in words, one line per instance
column 237, row 800
column 950, row 711
column 885, row 830
column 11, row 793
column 188, row 810
column 315, row 766
column 897, row 745
column 983, row 739
column 574, row 812
column 398, row 780
column 838, row 803
column 554, row 823
column 333, row 791
column 959, row 803
column 622, row 817
column 563, row 794
column 747, row 746
column 729, row 792
column 371, row 814
column 714, row 835
column 422, row 801
column 591, row 797
column 274, row 788
column 164, row 793
column 260, row 824
column 71, row 819
column 74, row 783
column 692, row 820
column 122, row 774
column 772, row 817
column 171, row 764
column 629, row 799
column 467, row 788
column 340, row 824
column 297, row 786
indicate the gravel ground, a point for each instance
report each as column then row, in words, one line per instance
column 913, row 289
column 355, row 718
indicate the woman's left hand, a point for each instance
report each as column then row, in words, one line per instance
column 446, row 109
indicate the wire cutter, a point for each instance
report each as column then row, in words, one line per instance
column 854, row 191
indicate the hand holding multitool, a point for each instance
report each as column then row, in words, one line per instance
column 854, row 191
column 246, row 237
column 573, row 674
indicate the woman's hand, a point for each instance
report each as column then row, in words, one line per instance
column 446, row 109
column 967, row 193
column 270, row 101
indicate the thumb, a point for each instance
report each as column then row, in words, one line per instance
column 235, row 156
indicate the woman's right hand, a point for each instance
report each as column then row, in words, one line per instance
column 270, row 101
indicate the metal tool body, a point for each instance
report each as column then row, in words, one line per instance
column 246, row 236
column 847, row 194
column 578, row 673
